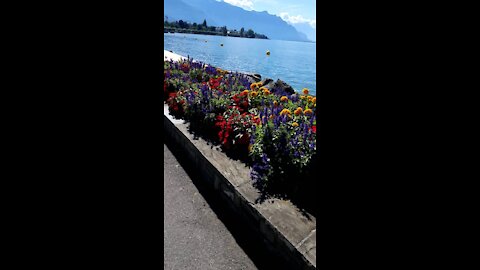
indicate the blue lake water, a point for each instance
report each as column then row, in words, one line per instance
column 291, row 61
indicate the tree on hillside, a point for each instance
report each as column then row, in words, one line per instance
column 204, row 23
column 250, row 33
column 242, row 32
column 182, row 24
column 224, row 30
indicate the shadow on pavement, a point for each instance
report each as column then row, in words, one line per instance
column 247, row 239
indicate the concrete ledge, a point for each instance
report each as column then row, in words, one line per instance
column 284, row 229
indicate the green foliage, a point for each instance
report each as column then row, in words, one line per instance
column 194, row 28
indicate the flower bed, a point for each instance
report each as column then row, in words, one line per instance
column 269, row 129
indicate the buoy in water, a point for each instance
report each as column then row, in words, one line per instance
column 221, row 44
column 205, row 41
column 268, row 52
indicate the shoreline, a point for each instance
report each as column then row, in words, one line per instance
column 309, row 41
column 172, row 56
column 167, row 56
column 196, row 32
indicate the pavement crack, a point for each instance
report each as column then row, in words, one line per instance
column 306, row 238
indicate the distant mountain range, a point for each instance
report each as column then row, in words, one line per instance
column 307, row 29
column 223, row 14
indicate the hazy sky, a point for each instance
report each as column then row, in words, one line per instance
column 293, row 11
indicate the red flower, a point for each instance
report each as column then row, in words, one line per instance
column 215, row 83
column 314, row 129
column 185, row 68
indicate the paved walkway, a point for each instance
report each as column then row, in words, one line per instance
column 172, row 56
column 194, row 237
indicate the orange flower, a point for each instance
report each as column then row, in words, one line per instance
column 221, row 71
column 265, row 91
column 275, row 103
column 309, row 98
column 298, row 111
column 252, row 86
column 245, row 92
column 308, row 112
column 283, row 98
column 305, row 91
column 314, row 100
column 259, row 84
column 271, row 116
column 295, row 124
column 302, row 97
column 285, row 111
column 254, row 93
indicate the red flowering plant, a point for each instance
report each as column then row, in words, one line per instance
column 214, row 83
column 235, row 128
column 241, row 101
column 176, row 107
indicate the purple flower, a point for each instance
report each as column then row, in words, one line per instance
column 211, row 70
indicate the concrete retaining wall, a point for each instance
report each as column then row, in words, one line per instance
column 282, row 227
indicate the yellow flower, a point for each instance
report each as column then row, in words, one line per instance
column 254, row 93
column 265, row 90
column 309, row 98
column 283, row 98
column 295, row 124
column 275, row 103
column 308, row 112
column 314, row 100
column 253, row 85
column 305, row 91
column 302, row 97
column 298, row 111
column 285, row 111
column 259, row 84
